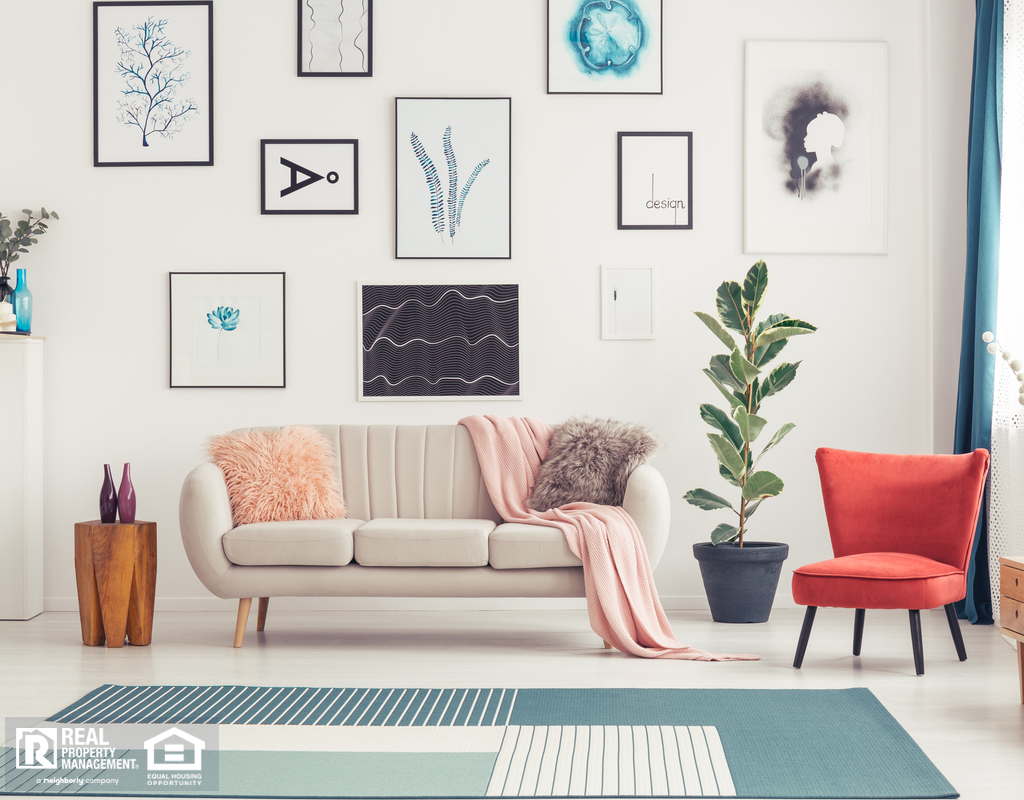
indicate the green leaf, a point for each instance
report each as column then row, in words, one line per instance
column 754, row 286
column 742, row 369
column 724, row 533
column 709, row 501
column 716, row 328
column 783, row 330
column 728, row 476
column 750, row 425
column 722, row 370
column 730, row 396
column 727, row 454
column 729, row 300
column 764, row 355
column 54, row 215
column 778, row 380
column 43, row 213
column 717, row 418
column 26, row 211
column 15, row 257
column 780, row 434
column 761, row 485
column 748, row 512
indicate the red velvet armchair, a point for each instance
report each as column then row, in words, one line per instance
column 902, row 528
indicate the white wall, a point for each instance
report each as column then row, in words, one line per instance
column 100, row 276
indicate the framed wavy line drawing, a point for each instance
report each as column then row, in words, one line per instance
column 438, row 342
column 453, row 176
column 335, row 38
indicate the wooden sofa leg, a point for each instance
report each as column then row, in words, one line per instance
column 244, row 604
column 607, row 646
column 261, row 613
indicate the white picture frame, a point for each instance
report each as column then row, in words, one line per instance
column 227, row 329
column 627, row 301
column 438, row 341
column 655, row 180
column 815, row 147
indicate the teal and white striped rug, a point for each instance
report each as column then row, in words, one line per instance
column 296, row 742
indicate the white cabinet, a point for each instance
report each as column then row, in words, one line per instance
column 21, row 476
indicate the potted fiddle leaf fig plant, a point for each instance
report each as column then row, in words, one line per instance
column 741, row 576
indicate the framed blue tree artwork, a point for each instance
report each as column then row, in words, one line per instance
column 604, row 46
column 453, row 173
column 153, row 83
column 335, row 38
column 227, row 329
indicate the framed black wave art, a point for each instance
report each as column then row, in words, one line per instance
column 438, row 341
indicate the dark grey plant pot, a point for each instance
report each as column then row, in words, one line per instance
column 740, row 582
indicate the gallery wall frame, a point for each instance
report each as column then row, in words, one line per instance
column 227, row 329
column 815, row 147
column 309, row 176
column 604, row 46
column 655, row 180
column 453, row 177
column 153, row 84
column 438, row 341
column 627, row 301
column 335, row 38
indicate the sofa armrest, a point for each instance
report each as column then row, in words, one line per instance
column 647, row 502
column 204, row 516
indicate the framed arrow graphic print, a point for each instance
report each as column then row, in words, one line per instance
column 309, row 176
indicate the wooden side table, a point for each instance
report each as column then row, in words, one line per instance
column 115, row 566
column 1011, row 607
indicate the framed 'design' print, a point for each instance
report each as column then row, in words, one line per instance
column 335, row 38
column 815, row 147
column 453, row 173
column 655, row 181
column 604, row 46
column 309, row 176
column 227, row 329
column 153, row 83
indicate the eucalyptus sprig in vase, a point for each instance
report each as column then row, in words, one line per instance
column 15, row 240
column 742, row 377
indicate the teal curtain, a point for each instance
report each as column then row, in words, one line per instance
column 984, row 173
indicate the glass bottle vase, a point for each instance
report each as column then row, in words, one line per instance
column 108, row 497
column 22, row 300
column 126, row 497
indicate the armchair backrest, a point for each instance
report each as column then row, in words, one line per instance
column 927, row 505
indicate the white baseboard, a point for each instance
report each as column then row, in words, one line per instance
column 669, row 602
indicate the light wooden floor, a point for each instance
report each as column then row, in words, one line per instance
column 967, row 717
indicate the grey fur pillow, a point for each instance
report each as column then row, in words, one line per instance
column 589, row 461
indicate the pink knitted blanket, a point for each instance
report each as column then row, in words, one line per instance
column 621, row 597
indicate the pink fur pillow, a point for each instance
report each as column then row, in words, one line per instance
column 278, row 475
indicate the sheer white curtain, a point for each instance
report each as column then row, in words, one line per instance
column 1006, row 503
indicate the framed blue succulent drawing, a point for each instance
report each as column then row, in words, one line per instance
column 453, row 173
column 604, row 46
column 227, row 329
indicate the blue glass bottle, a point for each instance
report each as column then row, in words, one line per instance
column 22, row 300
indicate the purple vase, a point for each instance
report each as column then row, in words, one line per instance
column 108, row 497
column 126, row 497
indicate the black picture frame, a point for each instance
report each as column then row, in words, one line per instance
column 181, row 136
column 643, row 153
column 311, row 60
column 256, row 360
column 431, row 135
column 331, row 192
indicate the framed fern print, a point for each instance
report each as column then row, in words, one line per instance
column 453, row 177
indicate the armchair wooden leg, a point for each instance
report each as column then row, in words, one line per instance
column 243, row 617
column 805, row 634
column 858, row 630
column 915, row 639
column 261, row 613
column 954, row 628
column 607, row 646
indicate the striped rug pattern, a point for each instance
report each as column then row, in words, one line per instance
column 264, row 705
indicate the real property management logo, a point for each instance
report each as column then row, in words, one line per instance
column 41, row 747
column 36, row 748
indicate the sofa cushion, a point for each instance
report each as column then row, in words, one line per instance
column 320, row 543
column 386, row 542
column 518, row 546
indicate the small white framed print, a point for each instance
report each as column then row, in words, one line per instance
column 627, row 301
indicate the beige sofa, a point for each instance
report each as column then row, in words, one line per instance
column 420, row 524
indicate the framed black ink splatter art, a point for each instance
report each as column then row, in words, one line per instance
column 227, row 329
column 153, row 84
column 335, row 38
column 438, row 342
column 604, row 46
column 655, row 177
column 309, row 176
column 815, row 147
column 453, row 176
